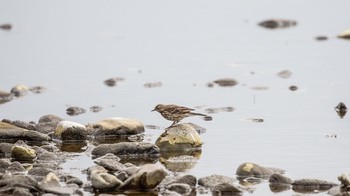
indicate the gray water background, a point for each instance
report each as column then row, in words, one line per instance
column 71, row 47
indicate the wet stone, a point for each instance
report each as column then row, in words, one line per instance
column 50, row 118
column 104, row 181
column 345, row 34
column 185, row 179
column 214, row 180
column 321, row 38
column 23, row 153
column 183, row 189
column 37, row 89
column 19, row 90
column 284, row 74
column 341, row 109
column 6, row 27
column 96, row 109
column 70, row 131
column 116, row 126
column 226, row 189
column 4, row 165
column 344, row 179
column 74, row 111
column 278, row 178
column 16, row 167
column 23, row 124
column 5, row 97
column 11, row 182
column 293, row 88
column 113, row 81
column 246, row 170
column 110, row 162
column 226, row 82
column 73, row 180
column 127, row 149
column 51, row 184
column 310, row 185
column 277, row 23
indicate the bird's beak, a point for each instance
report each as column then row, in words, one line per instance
column 153, row 110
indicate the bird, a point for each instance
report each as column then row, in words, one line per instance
column 176, row 113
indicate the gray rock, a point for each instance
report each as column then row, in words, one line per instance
column 6, row 27
column 23, row 124
column 11, row 132
column 50, row 118
column 73, row 180
column 117, row 126
column 284, row 74
column 74, row 111
column 214, row 180
column 246, row 170
column 278, row 178
column 181, row 188
column 16, row 167
column 68, row 131
column 226, row 82
column 9, row 183
column 5, row 149
column 46, row 127
column 110, row 162
column 19, row 90
column 21, row 191
column 96, row 108
column 127, row 149
column 96, row 169
column 4, row 165
column 180, row 163
column 310, row 185
column 40, row 172
column 104, row 181
column 147, row 177
column 226, row 189
column 122, row 175
column 185, row 179
column 132, row 170
column 37, row 89
column 51, row 184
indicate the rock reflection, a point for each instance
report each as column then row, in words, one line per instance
column 341, row 109
column 117, row 139
column 279, row 187
column 71, row 146
column 180, row 161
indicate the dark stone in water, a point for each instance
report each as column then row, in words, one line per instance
column 226, row 189
column 341, row 109
column 74, row 111
column 6, row 27
column 37, row 89
column 96, row 108
column 277, row 23
column 5, row 97
column 311, row 185
column 112, row 81
column 293, row 88
column 226, row 82
column 321, row 38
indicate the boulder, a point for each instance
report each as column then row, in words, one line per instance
column 70, row 131
column 180, row 137
column 50, row 118
column 116, row 127
column 4, row 165
column 181, row 188
column 127, row 149
column 344, row 179
column 246, row 170
column 104, row 181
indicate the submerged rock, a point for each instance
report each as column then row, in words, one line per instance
column 6, row 27
column 152, row 84
column 180, row 137
column 96, row 108
column 113, row 81
column 277, row 23
column 311, row 185
column 226, row 189
column 19, row 90
column 226, row 82
column 110, row 162
column 279, row 183
column 68, row 130
column 74, row 111
column 180, row 163
column 127, row 149
column 117, row 127
column 246, row 170
column 345, row 34
column 185, row 179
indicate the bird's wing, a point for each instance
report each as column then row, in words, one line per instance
column 176, row 108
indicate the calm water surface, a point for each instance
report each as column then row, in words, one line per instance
column 72, row 47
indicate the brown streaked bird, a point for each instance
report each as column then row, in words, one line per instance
column 176, row 113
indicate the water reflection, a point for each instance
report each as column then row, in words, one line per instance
column 180, row 161
column 77, row 146
column 279, row 187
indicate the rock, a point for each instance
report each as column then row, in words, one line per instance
column 226, row 189
column 16, row 167
column 96, row 109
column 311, row 185
column 37, row 89
column 5, row 149
column 96, row 169
column 321, row 38
column 50, row 118
column 4, row 165
column 180, row 163
column 345, row 34
column 152, row 84
column 183, row 189
column 6, row 27
column 122, row 175
column 116, row 127
column 132, row 170
column 285, row 74
column 246, row 170
column 147, row 177
column 185, row 179
column 277, row 23
column 68, row 130
column 46, row 127
column 74, row 111
column 180, row 137
column 19, row 90
column 11, row 132
column 226, row 82
column 127, row 149
column 23, row 124
column 9, row 183
column 278, row 178
column 23, row 153
column 113, row 81
column 110, row 162
column 21, row 191
column 51, row 184
column 104, row 181
column 40, row 172
column 5, row 97
column 73, row 180
column 214, row 180
column 341, row 109
column 293, row 88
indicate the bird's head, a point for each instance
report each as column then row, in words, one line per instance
column 158, row 107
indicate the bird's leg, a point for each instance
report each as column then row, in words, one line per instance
column 166, row 129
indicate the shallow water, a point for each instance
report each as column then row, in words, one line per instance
column 72, row 48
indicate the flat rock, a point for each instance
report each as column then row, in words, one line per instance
column 279, row 178
column 183, row 189
column 51, row 184
column 127, row 149
column 246, row 170
column 185, row 179
column 10, row 132
column 310, row 185
column 117, row 127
